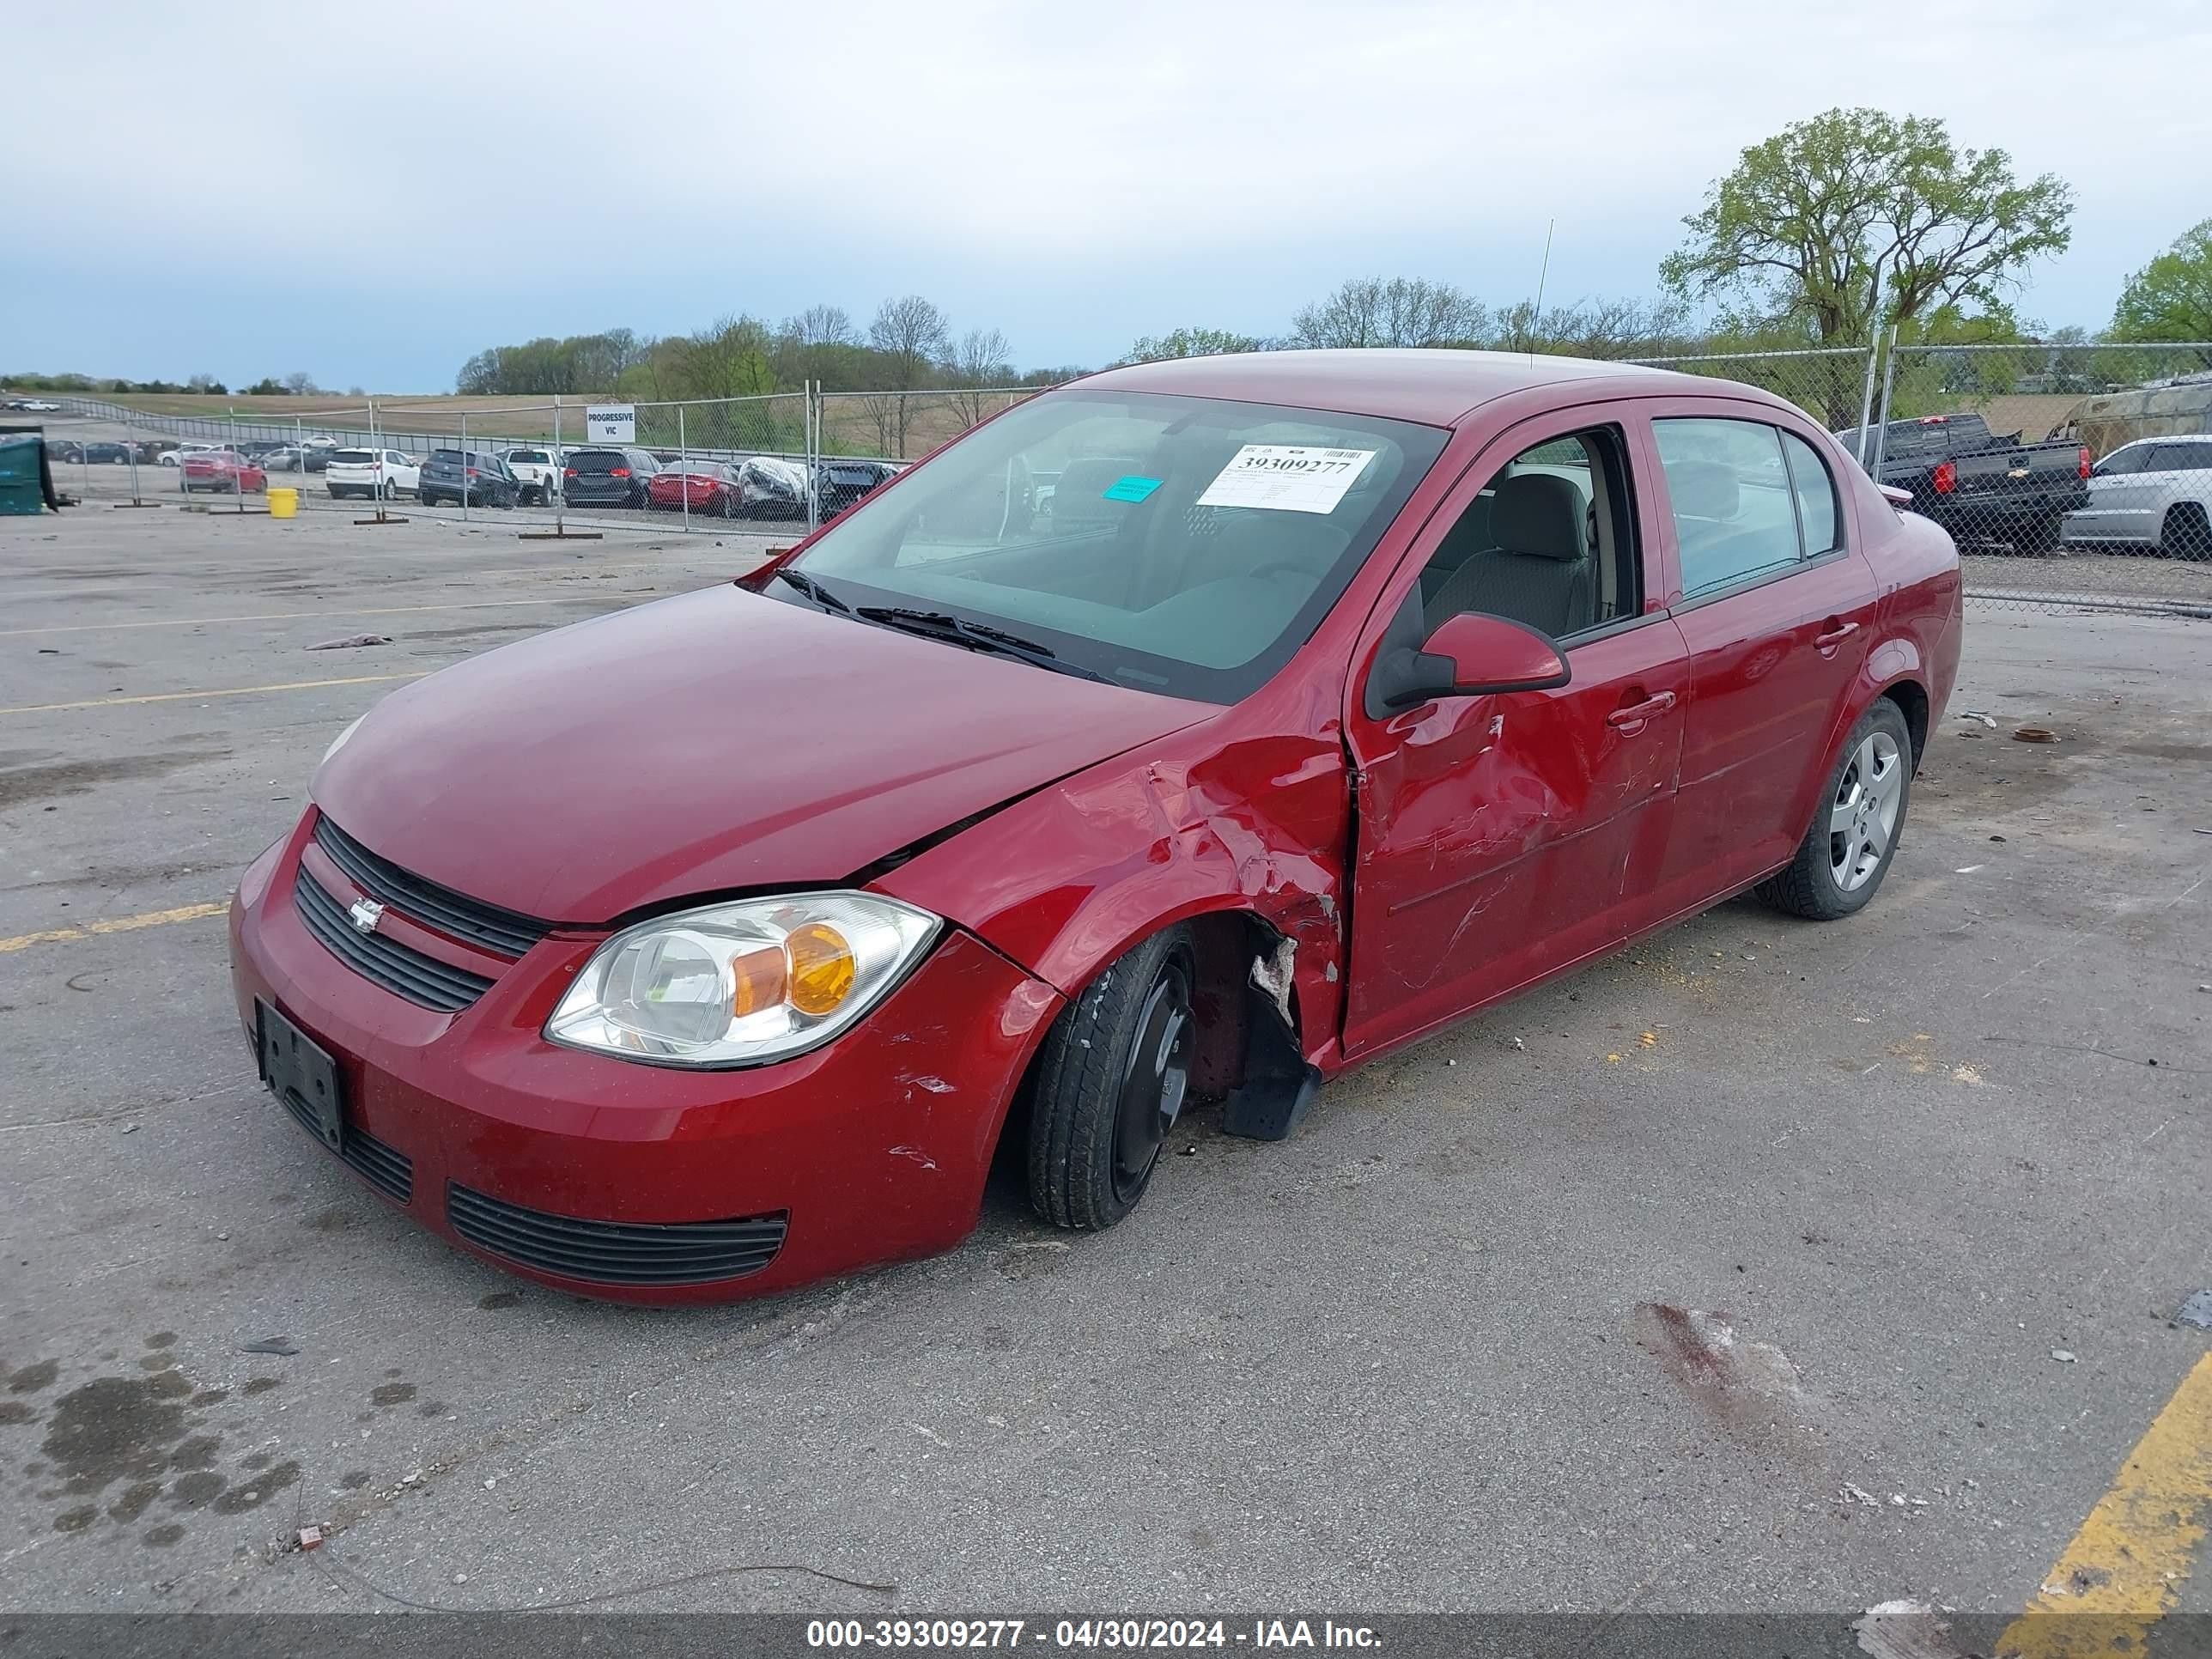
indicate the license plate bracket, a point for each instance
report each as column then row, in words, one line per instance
column 302, row 1073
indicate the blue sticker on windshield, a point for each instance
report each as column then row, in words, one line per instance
column 1131, row 489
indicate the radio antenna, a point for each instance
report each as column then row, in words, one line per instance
column 1543, row 274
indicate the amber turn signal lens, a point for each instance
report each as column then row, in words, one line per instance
column 758, row 980
column 823, row 968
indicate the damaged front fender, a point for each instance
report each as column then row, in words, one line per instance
column 1071, row 878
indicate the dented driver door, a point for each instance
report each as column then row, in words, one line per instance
column 1500, row 839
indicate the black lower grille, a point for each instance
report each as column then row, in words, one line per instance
column 388, row 1169
column 399, row 970
column 488, row 926
column 615, row 1252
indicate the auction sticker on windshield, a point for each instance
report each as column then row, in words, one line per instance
column 1287, row 478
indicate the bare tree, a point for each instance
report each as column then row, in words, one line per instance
column 822, row 326
column 908, row 335
column 977, row 361
column 299, row 383
column 1399, row 311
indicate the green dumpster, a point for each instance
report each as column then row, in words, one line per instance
column 25, row 483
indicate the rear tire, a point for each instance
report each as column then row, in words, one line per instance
column 2186, row 533
column 1112, row 1078
column 1855, row 831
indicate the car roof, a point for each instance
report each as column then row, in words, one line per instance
column 2168, row 438
column 1436, row 388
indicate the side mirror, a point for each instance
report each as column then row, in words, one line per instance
column 1472, row 655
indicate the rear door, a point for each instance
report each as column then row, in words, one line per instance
column 1777, row 607
column 2177, row 472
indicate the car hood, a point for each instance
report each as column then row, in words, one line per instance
column 713, row 742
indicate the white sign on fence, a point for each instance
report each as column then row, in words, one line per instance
column 611, row 423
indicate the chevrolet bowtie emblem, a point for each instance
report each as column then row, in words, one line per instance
column 365, row 912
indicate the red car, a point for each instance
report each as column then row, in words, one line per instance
column 224, row 472
column 709, row 487
column 710, row 948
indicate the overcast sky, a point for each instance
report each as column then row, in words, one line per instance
column 371, row 193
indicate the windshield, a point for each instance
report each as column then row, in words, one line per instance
column 1175, row 545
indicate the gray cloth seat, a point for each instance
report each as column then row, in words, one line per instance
column 1539, row 572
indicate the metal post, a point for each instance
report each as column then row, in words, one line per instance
column 559, row 468
column 810, row 421
column 1889, row 385
column 1866, row 396
column 130, row 454
column 683, row 460
column 299, row 454
column 465, row 465
column 377, row 450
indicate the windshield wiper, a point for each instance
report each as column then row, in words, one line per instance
column 813, row 590
column 941, row 625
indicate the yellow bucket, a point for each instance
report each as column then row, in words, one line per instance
column 283, row 503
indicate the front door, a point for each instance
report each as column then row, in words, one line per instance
column 1496, row 835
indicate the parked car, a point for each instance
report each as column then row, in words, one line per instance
column 538, row 471
column 285, row 459
column 370, row 473
column 841, row 484
column 64, row 452
column 471, row 477
column 260, row 448
column 710, row 487
column 107, row 454
column 223, row 471
column 1981, row 487
column 315, row 453
column 38, row 406
column 2155, row 493
column 702, row 948
column 771, row 489
column 607, row 477
column 176, row 456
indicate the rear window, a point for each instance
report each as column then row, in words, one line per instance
column 598, row 461
column 446, row 457
column 353, row 457
column 525, row 457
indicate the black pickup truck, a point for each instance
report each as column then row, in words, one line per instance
column 1981, row 486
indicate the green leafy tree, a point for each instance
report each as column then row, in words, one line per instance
column 1857, row 218
column 1193, row 343
column 2170, row 298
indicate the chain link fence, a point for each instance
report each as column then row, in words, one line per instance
column 2071, row 474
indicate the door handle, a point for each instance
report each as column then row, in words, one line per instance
column 1636, row 713
column 1835, row 636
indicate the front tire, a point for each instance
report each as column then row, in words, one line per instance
column 1112, row 1079
column 1854, row 834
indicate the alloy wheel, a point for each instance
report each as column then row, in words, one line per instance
column 1863, row 818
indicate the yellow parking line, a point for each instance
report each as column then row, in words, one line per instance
column 118, row 924
column 2124, row 1570
column 200, row 697
column 289, row 616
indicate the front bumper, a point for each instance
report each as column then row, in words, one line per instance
column 572, row 1167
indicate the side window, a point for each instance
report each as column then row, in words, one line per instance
column 1550, row 541
column 1817, row 518
column 1735, row 513
column 2122, row 462
column 2179, row 457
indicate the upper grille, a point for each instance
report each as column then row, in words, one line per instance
column 488, row 926
column 398, row 967
column 615, row 1252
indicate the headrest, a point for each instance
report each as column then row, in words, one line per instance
column 1703, row 489
column 1539, row 515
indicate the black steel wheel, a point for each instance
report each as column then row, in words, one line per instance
column 1114, row 1077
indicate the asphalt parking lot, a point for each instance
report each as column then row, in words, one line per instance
column 1436, row 1352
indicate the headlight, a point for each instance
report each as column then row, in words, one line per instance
column 338, row 742
column 737, row 984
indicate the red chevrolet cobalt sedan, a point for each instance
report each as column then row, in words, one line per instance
column 1195, row 731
